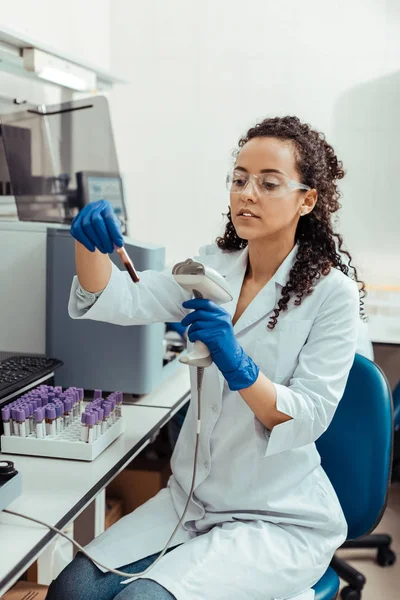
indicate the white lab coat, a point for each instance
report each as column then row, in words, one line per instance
column 264, row 521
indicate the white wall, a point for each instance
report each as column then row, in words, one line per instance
column 77, row 27
column 202, row 72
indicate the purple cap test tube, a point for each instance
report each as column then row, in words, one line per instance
column 84, row 427
column 67, row 411
column 91, row 422
column 5, row 416
column 29, row 417
column 21, row 422
column 5, row 413
column 38, row 414
column 50, row 412
column 39, row 424
column 59, row 412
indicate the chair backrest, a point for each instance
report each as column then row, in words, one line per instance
column 356, row 450
column 396, row 407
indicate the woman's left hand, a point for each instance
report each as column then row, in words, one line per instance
column 212, row 325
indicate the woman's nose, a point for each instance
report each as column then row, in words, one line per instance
column 250, row 191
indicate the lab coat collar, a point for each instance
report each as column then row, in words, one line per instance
column 266, row 298
column 282, row 274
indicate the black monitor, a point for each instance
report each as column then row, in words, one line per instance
column 96, row 185
column 47, row 146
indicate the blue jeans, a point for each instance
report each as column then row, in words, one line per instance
column 82, row 580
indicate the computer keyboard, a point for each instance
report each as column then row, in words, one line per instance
column 18, row 371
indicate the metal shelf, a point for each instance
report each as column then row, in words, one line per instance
column 12, row 43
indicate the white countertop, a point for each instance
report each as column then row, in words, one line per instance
column 57, row 490
column 175, row 387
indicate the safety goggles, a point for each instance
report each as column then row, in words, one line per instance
column 273, row 185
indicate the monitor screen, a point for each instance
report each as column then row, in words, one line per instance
column 46, row 146
column 102, row 186
column 106, row 188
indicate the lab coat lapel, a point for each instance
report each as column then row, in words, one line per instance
column 234, row 275
column 260, row 306
column 266, row 298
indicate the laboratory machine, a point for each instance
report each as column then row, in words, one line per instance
column 60, row 158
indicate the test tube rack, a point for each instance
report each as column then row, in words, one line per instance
column 66, row 443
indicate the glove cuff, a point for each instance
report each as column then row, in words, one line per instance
column 245, row 374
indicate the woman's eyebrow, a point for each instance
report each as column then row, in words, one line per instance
column 262, row 170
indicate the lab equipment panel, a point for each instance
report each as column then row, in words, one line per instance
column 97, row 354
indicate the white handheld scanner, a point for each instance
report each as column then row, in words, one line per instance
column 202, row 282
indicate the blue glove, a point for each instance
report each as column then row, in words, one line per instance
column 212, row 325
column 97, row 226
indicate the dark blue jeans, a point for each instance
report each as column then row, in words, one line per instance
column 82, row 580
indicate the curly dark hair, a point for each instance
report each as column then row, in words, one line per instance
column 319, row 247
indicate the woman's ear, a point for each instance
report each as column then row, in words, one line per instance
column 309, row 202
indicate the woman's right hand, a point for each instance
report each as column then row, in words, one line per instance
column 97, row 226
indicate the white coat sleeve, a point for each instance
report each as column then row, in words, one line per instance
column 157, row 298
column 321, row 375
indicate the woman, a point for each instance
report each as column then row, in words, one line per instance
column 264, row 520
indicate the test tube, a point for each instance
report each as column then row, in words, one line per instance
column 90, row 420
column 29, row 407
column 84, row 428
column 71, row 398
column 96, row 428
column 99, row 420
column 38, row 417
column 114, row 404
column 128, row 264
column 59, row 420
column 107, row 410
column 93, row 411
column 106, row 414
column 67, row 411
column 50, row 413
column 21, row 422
column 5, row 416
column 25, row 407
column 120, row 398
column 81, row 393
column 75, row 410
column 14, row 425
column 100, row 415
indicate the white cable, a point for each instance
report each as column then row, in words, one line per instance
column 200, row 372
